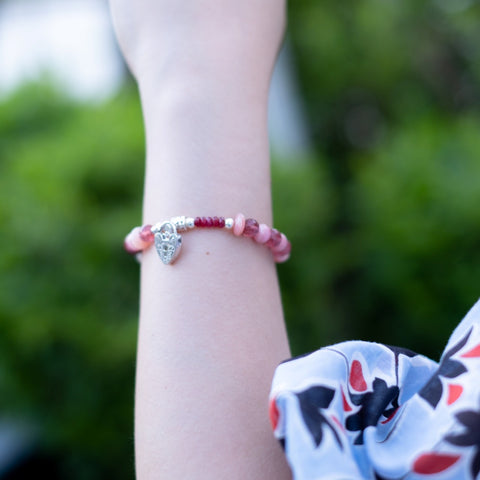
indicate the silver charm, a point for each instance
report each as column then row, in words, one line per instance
column 167, row 242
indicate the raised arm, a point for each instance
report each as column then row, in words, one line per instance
column 211, row 325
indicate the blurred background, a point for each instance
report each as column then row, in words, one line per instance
column 375, row 130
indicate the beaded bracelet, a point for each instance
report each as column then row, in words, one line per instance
column 168, row 242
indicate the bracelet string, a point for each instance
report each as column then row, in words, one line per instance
column 168, row 241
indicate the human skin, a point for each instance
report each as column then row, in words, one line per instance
column 211, row 325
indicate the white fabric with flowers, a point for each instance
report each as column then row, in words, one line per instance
column 360, row 410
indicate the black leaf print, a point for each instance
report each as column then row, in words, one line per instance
column 470, row 437
column 404, row 351
column 381, row 477
column 373, row 405
column 475, row 466
column 397, row 351
column 448, row 368
column 311, row 402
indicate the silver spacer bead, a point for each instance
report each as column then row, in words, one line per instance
column 229, row 223
column 190, row 222
column 180, row 223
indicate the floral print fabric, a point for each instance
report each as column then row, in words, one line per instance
column 360, row 410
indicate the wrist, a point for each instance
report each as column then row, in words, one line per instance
column 206, row 149
column 173, row 82
column 206, row 34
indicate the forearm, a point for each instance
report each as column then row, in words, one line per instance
column 211, row 326
column 206, row 150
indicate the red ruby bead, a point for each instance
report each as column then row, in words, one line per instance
column 275, row 238
column 209, row 222
column 251, row 227
column 215, row 221
column 221, row 222
column 198, row 222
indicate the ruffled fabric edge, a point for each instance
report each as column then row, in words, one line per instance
column 361, row 410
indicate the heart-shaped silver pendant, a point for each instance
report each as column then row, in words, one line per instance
column 167, row 242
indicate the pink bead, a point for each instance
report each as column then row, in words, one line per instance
column 146, row 234
column 281, row 258
column 251, row 227
column 287, row 249
column 274, row 240
column 129, row 248
column 282, row 245
column 263, row 233
column 283, row 255
column 133, row 243
column 239, row 224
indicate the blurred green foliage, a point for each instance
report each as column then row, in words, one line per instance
column 383, row 216
column 70, row 184
column 392, row 94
